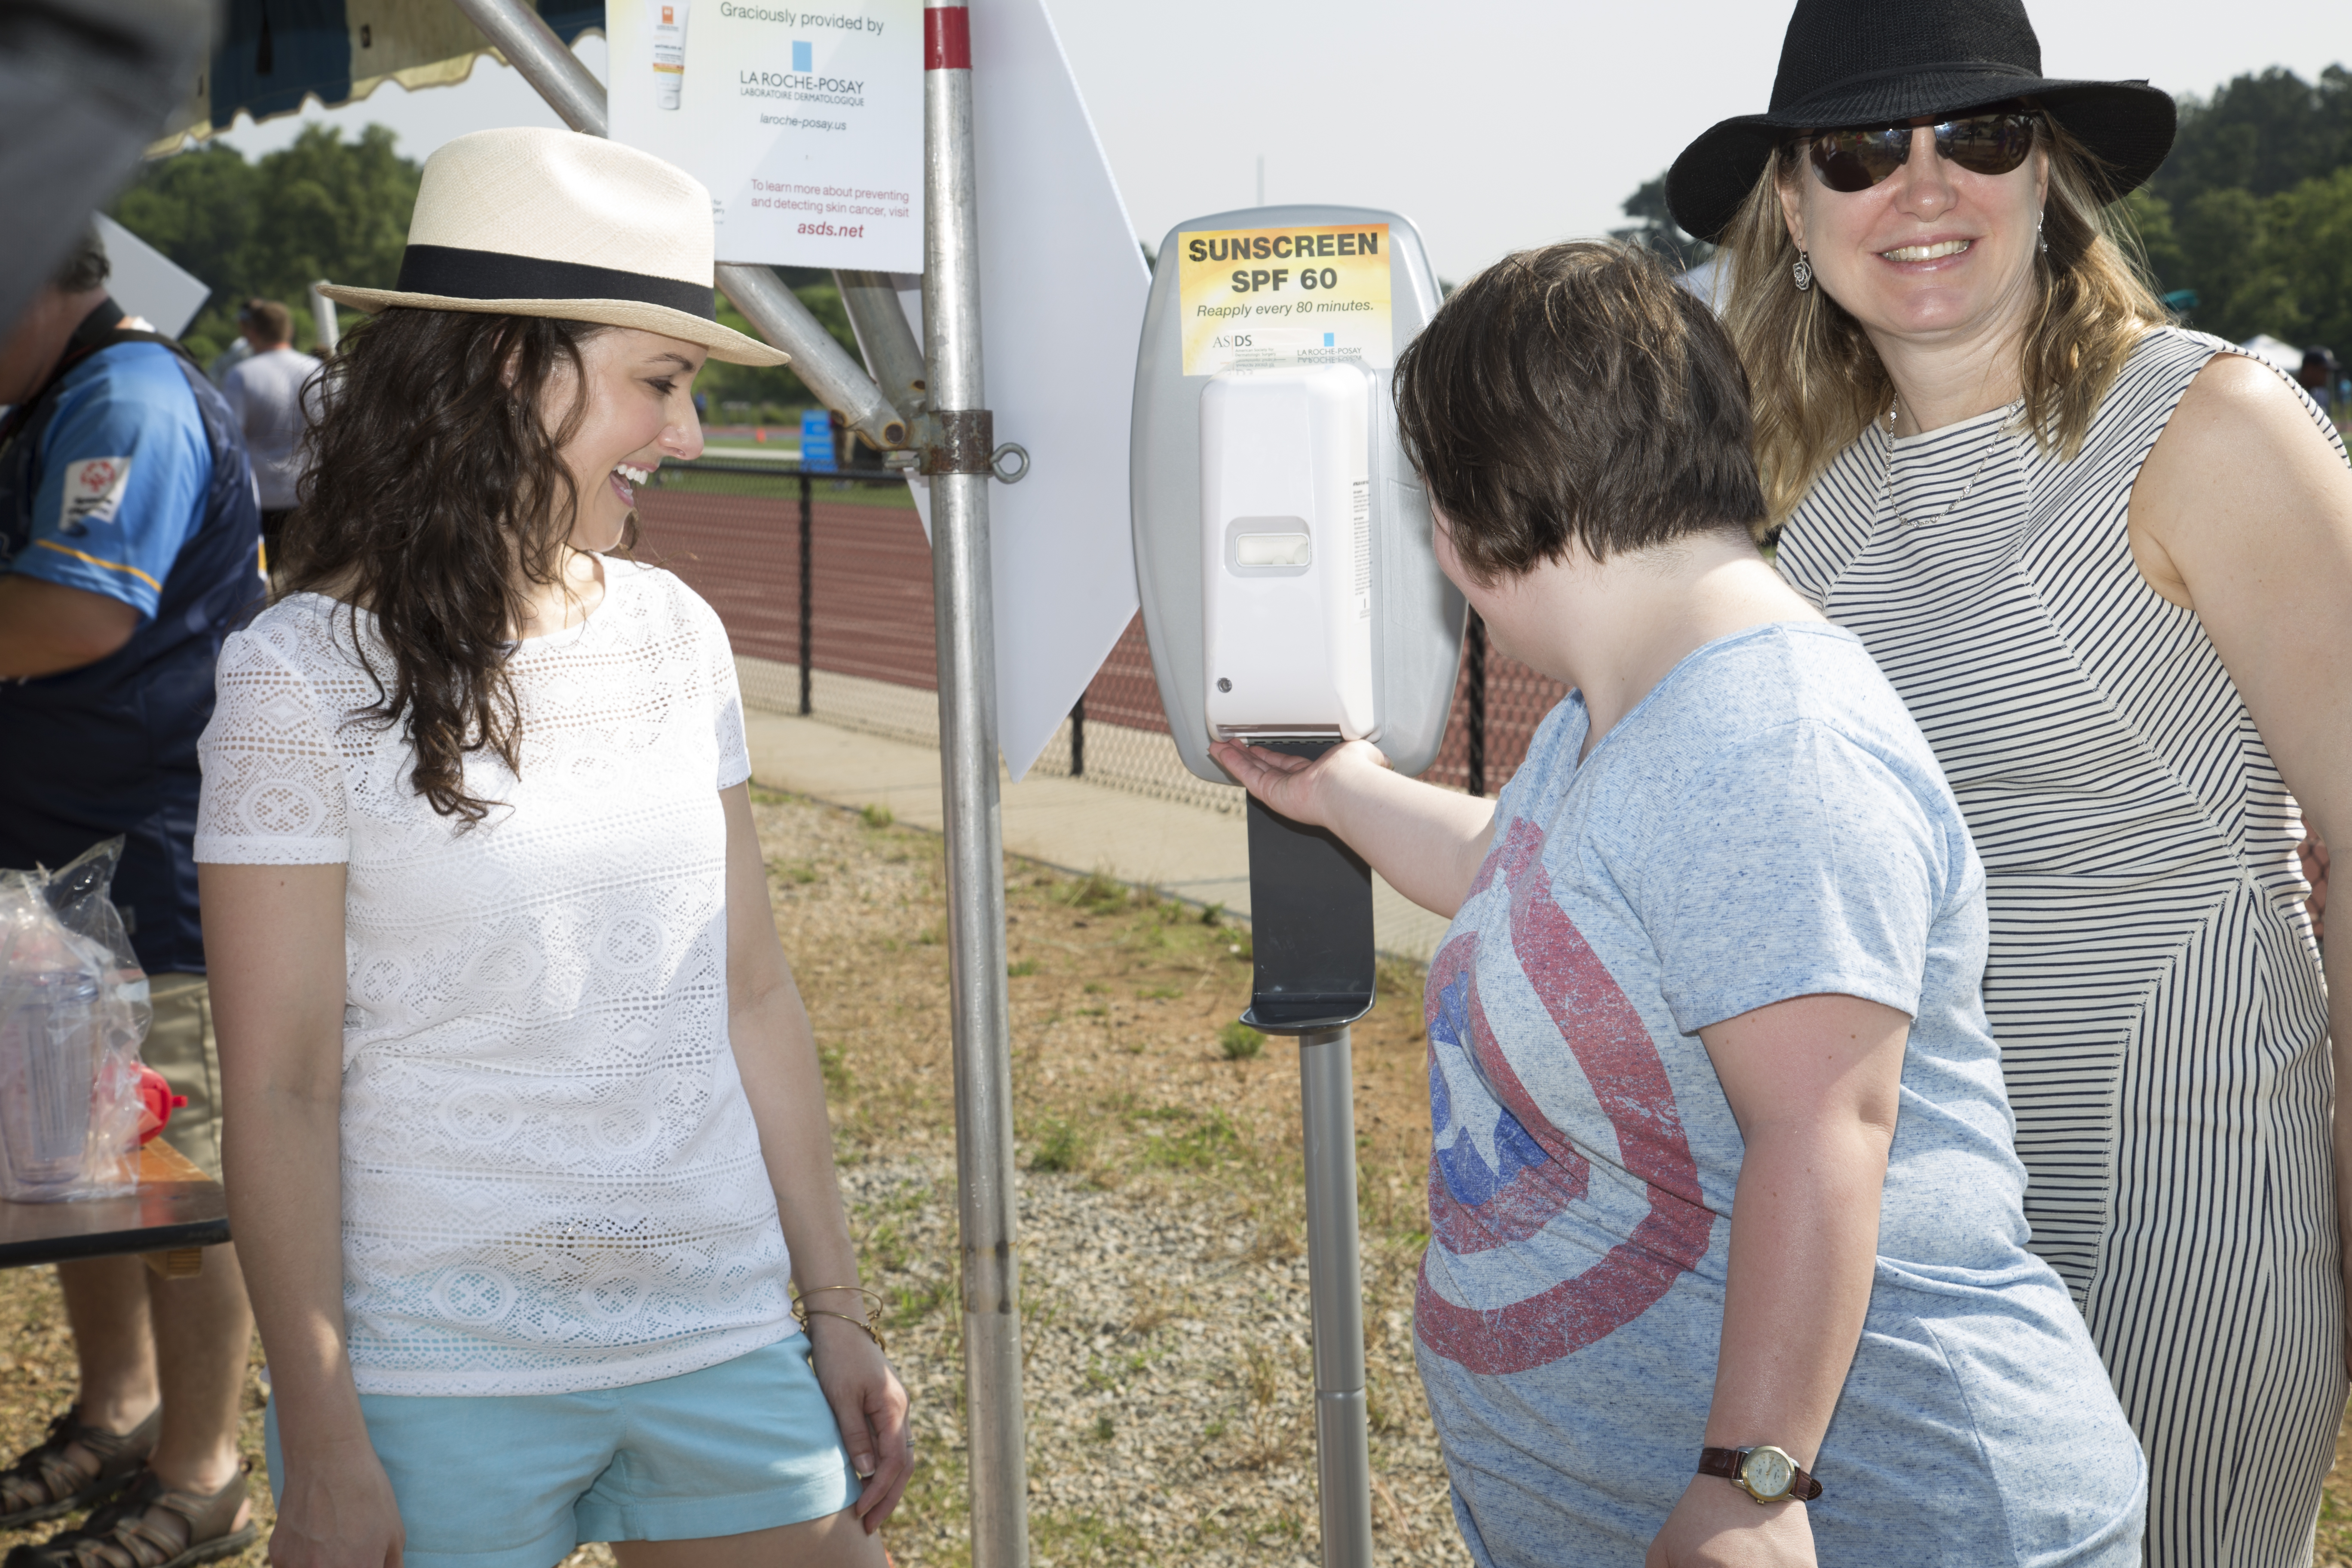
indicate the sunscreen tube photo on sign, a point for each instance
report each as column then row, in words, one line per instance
column 668, row 19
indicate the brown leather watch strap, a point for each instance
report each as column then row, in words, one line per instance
column 1729, row 1463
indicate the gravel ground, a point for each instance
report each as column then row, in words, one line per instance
column 1170, row 1400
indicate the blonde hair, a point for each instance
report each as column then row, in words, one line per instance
column 1817, row 380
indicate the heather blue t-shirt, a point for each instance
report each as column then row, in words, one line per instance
column 1768, row 823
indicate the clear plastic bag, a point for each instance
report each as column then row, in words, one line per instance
column 73, row 1012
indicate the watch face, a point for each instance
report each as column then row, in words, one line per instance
column 1767, row 1472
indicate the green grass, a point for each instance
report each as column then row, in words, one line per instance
column 1096, row 892
column 834, row 1064
column 1061, row 1146
column 1240, row 1042
column 1086, row 1537
column 784, row 489
column 1188, row 1141
column 1025, row 966
column 910, row 1304
column 877, row 815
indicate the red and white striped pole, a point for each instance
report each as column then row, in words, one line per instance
column 955, row 457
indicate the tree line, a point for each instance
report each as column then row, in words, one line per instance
column 325, row 207
column 2251, row 214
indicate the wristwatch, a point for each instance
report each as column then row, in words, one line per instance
column 1764, row 1473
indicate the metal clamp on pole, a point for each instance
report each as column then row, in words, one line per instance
column 964, row 442
column 555, row 73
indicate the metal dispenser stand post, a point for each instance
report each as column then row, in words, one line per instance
column 1310, row 896
column 1311, row 918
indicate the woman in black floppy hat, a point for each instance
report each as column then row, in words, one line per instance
column 529, row 1141
column 2106, row 563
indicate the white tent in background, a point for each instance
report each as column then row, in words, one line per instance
column 2264, row 346
column 1710, row 280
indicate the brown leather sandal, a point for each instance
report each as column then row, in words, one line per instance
column 46, row 1481
column 150, row 1526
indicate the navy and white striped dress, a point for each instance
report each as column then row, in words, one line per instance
column 2153, row 981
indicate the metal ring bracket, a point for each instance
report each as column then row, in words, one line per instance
column 996, row 463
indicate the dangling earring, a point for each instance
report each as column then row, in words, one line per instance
column 2039, row 238
column 1802, row 271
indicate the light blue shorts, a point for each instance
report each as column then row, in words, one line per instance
column 518, row 1481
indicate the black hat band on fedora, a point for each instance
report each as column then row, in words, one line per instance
column 460, row 274
column 1949, row 67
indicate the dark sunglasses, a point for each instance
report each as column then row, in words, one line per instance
column 1855, row 159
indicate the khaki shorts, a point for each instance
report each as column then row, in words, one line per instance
column 181, row 1046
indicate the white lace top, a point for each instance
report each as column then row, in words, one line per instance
column 550, row 1177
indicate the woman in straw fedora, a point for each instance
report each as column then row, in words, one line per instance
column 2106, row 563
column 535, row 1135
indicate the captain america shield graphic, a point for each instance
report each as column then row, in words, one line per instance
column 1500, row 1172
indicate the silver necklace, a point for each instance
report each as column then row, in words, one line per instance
column 1993, row 445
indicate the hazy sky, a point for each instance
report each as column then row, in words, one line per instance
column 1491, row 123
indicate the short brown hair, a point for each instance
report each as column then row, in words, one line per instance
column 273, row 320
column 85, row 266
column 1577, row 394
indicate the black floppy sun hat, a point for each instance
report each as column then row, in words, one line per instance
column 1866, row 62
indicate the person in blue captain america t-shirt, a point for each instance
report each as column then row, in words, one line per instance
column 128, row 548
column 1722, row 1189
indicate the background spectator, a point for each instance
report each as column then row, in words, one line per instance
column 126, row 551
column 264, row 392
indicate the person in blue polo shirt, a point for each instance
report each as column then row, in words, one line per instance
column 128, row 548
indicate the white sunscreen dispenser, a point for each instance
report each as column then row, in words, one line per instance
column 1282, row 542
column 1286, row 553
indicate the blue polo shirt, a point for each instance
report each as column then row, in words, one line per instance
column 126, row 478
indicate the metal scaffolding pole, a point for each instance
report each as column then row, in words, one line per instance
column 556, row 74
column 957, row 460
column 871, row 300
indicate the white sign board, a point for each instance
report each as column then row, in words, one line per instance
column 806, row 124
column 147, row 283
column 1062, row 290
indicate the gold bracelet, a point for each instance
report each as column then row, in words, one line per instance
column 803, row 1311
column 874, row 1296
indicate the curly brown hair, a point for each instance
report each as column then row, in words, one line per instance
column 434, row 496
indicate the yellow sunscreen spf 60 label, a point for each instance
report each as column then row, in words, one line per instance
column 1255, row 299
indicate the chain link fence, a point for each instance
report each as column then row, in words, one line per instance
column 824, row 582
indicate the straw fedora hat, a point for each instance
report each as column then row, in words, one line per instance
column 530, row 222
column 1863, row 62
